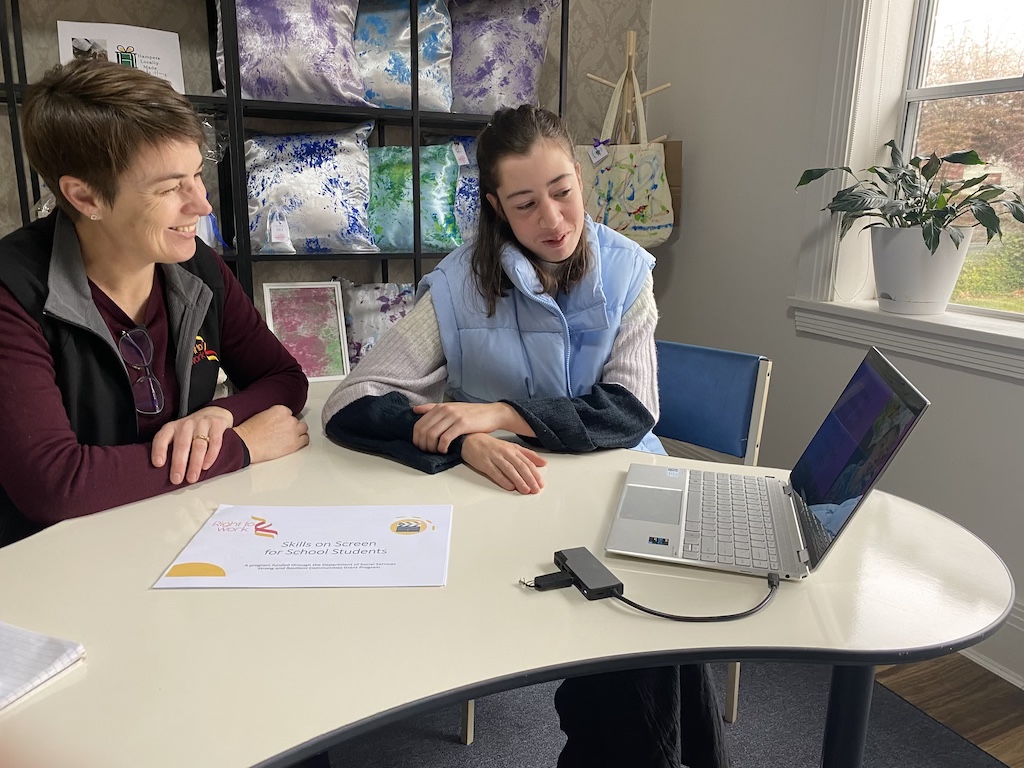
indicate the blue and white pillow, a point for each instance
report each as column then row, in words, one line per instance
column 381, row 45
column 321, row 181
column 467, row 191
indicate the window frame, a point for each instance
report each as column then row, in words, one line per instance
column 988, row 342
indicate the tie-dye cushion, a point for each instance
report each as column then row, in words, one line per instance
column 321, row 181
column 467, row 191
column 467, row 187
column 370, row 311
column 391, row 198
column 382, row 53
column 497, row 52
column 297, row 51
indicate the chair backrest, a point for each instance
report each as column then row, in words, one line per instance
column 712, row 398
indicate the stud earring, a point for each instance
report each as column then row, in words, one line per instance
column 94, row 217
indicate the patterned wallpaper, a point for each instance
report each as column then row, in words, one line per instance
column 597, row 44
column 597, row 39
column 10, row 208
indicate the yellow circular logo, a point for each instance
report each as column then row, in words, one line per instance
column 408, row 526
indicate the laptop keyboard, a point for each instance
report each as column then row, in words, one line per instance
column 728, row 521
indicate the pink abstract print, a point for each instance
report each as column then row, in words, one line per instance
column 306, row 320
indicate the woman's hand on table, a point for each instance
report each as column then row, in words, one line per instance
column 512, row 466
column 193, row 443
column 273, row 433
column 441, row 423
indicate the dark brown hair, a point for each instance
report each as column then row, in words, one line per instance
column 515, row 132
column 89, row 119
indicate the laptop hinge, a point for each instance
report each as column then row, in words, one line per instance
column 803, row 556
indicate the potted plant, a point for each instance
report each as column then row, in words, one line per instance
column 923, row 227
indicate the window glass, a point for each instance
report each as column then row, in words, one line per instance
column 973, row 40
column 992, row 125
column 993, row 273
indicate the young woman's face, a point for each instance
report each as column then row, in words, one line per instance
column 160, row 199
column 540, row 195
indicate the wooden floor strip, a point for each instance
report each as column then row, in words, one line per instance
column 1007, row 747
column 978, row 705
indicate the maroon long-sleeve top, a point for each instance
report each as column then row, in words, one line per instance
column 44, row 469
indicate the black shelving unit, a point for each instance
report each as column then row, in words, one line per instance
column 12, row 97
column 232, row 111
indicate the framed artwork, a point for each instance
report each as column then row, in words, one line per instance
column 308, row 318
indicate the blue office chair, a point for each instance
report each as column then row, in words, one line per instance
column 712, row 407
column 712, row 399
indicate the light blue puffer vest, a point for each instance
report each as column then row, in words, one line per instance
column 534, row 346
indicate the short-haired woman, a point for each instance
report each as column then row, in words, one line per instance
column 115, row 319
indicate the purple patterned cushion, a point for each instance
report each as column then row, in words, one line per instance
column 299, row 51
column 497, row 52
column 370, row 311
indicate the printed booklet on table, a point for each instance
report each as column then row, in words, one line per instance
column 364, row 546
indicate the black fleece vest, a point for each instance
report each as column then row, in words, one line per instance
column 94, row 385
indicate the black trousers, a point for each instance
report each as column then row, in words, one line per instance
column 666, row 717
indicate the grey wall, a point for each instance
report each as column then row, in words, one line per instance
column 745, row 79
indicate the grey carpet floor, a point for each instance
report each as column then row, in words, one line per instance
column 782, row 715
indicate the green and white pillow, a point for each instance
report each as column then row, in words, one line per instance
column 390, row 212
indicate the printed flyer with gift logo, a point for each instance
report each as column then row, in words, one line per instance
column 151, row 50
column 370, row 546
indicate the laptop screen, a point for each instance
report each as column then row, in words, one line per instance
column 852, row 448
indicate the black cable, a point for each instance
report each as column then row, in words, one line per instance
column 773, row 586
column 597, row 582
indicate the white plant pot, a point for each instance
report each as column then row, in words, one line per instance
column 909, row 279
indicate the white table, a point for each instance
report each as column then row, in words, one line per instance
column 224, row 678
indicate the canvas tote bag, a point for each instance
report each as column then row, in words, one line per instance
column 627, row 189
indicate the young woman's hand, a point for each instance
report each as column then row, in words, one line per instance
column 443, row 422
column 512, row 466
column 194, row 442
column 273, row 433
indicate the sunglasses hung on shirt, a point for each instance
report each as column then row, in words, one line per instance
column 136, row 348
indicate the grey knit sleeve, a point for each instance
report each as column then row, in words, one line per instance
column 408, row 359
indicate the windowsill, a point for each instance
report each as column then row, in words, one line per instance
column 981, row 344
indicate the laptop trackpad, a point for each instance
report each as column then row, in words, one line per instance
column 654, row 505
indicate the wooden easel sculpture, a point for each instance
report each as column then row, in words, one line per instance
column 627, row 113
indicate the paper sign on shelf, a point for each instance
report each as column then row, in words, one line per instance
column 365, row 546
column 151, row 50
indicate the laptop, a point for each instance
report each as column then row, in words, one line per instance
column 762, row 525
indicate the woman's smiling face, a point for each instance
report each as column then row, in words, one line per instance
column 540, row 195
column 160, row 198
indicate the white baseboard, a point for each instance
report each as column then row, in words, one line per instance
column 1010, row 638
column 994, row 667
